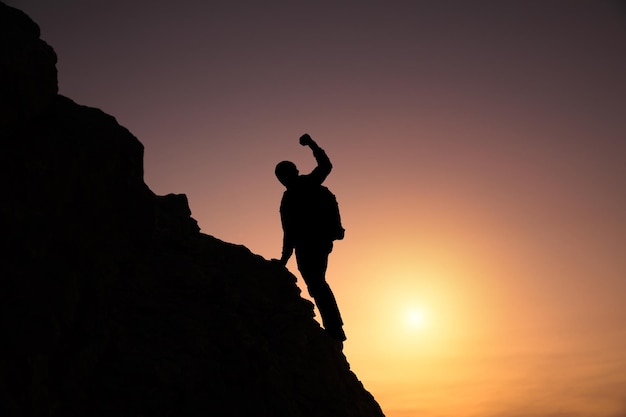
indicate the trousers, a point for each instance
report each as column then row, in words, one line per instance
column 312, row 260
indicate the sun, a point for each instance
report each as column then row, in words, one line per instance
column 415, row 318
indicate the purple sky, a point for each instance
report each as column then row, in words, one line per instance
column 484, row 140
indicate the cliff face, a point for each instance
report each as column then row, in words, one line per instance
column 112, row 302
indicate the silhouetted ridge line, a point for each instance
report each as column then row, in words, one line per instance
column 111, row 300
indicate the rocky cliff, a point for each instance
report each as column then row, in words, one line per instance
column 112, row 303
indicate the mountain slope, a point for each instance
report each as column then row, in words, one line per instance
column 111, row 300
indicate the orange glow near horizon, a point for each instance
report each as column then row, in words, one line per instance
column 448, row 317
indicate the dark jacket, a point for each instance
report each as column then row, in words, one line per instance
column 298, row 211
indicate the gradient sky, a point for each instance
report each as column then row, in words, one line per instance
column 480, row 165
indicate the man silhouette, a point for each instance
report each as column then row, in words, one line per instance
column 306, row 229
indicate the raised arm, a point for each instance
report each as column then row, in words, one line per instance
column 324, row 166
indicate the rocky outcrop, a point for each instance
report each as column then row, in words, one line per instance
column 27, row 68
column 112, row 303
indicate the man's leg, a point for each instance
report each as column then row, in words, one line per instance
column 312, row 262
column 327, row 305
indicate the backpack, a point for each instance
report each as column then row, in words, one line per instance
column 329, row 212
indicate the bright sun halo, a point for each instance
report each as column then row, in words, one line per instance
column 415, row 318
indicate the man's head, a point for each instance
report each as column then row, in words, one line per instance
column 286, row 172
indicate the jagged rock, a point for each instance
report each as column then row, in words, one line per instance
column 28, row 76
column 112, row 303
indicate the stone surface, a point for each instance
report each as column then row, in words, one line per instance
column 28, row 76
column 112, row 303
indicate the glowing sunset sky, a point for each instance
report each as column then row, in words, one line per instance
column 480, row 165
